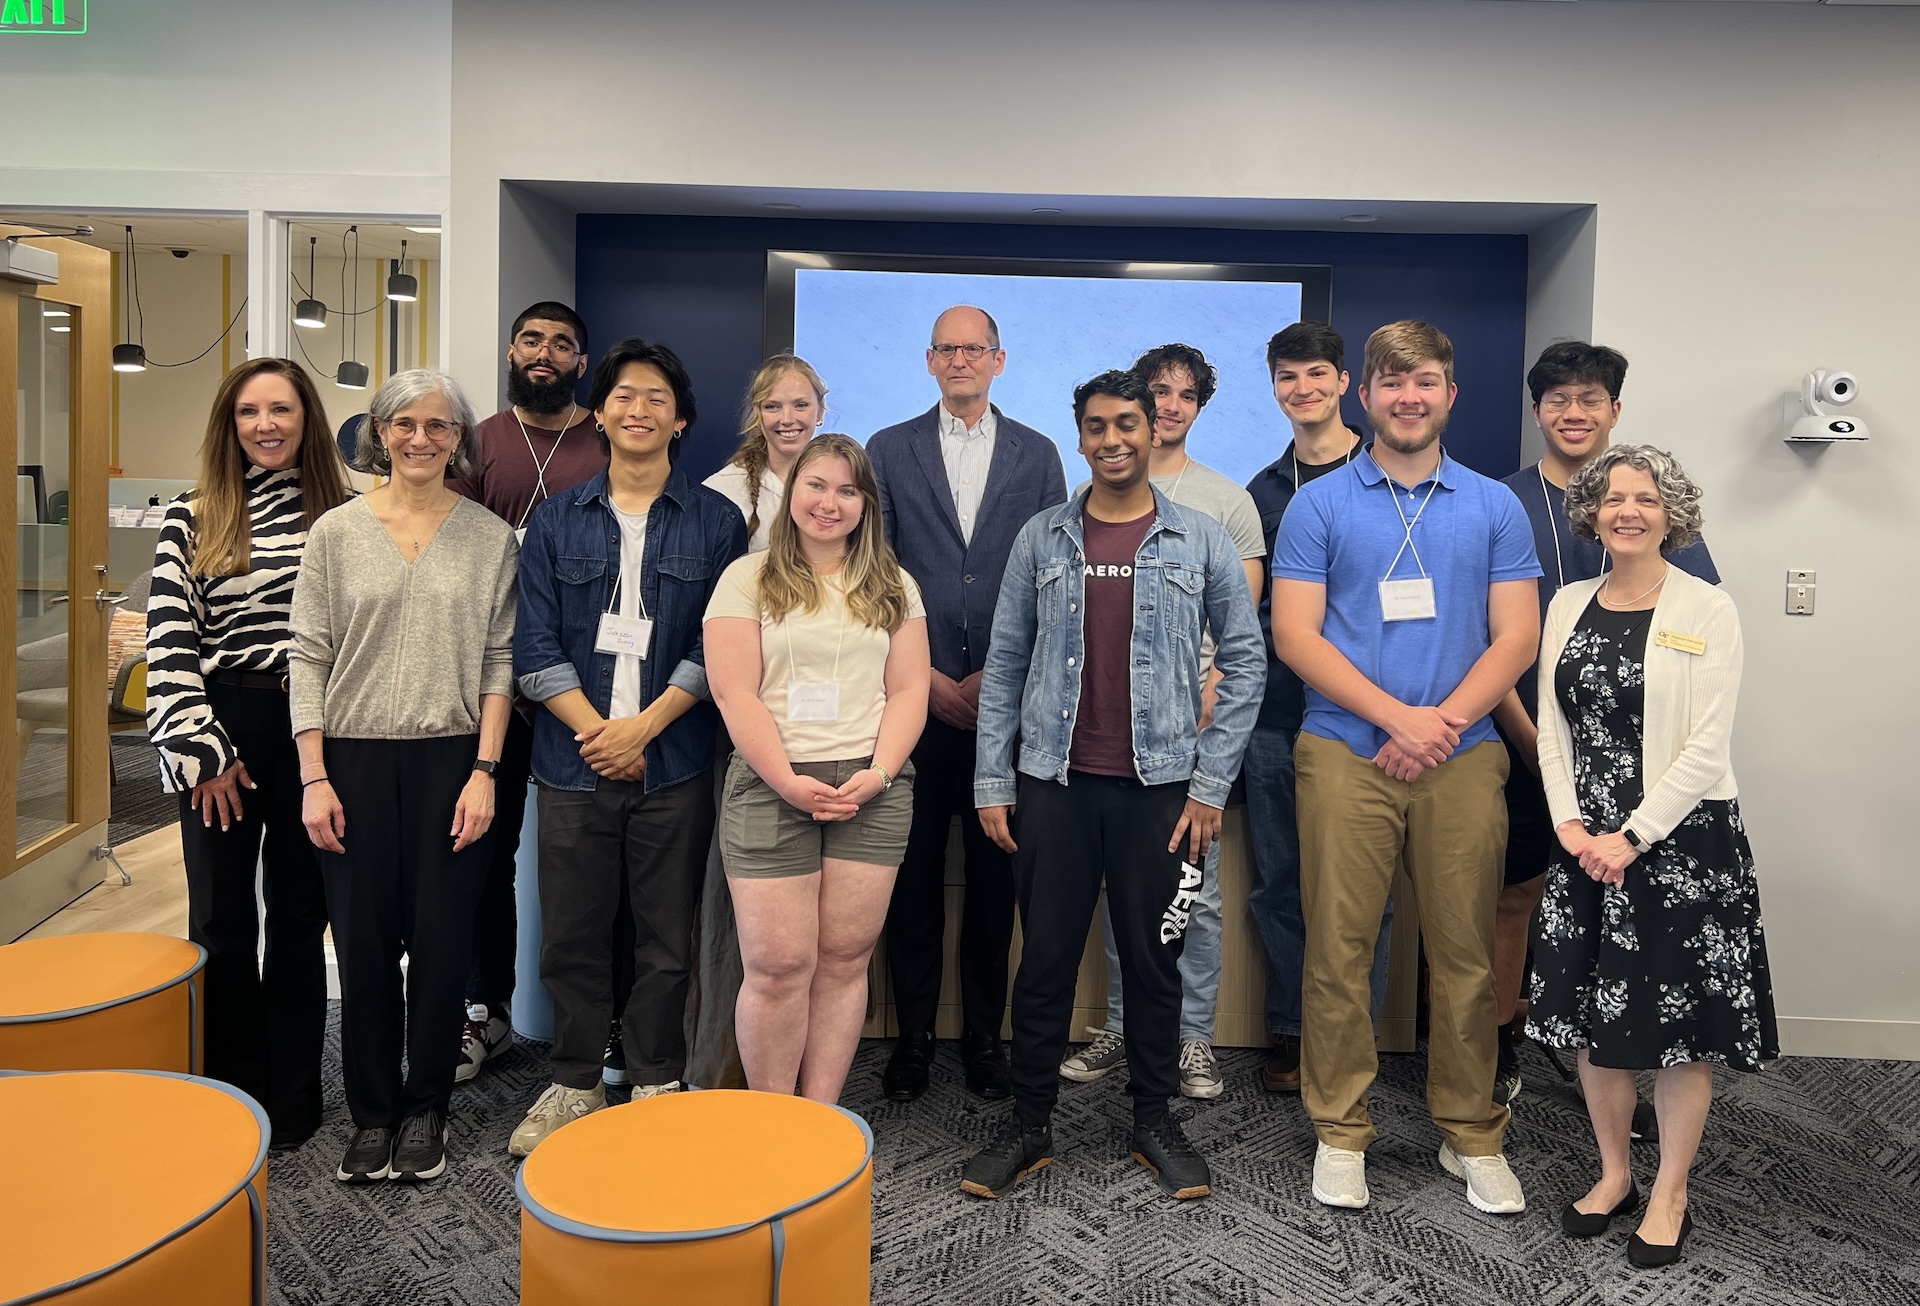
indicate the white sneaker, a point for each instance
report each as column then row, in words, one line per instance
column 484, row 1036
column 1340, row 1178
column 1491, row 1184
column 655, row 1090
column 558, row 1106
column 1199, row 1071
column 1107, row 1052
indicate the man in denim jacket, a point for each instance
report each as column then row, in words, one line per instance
column 615, row 576
column 1095, row 665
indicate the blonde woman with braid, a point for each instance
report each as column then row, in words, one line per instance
column 817, row 656
column 786, row 402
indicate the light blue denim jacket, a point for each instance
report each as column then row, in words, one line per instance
column 1187, row 577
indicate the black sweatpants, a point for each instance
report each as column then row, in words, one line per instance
column 496, row 923
column 917, row 916
column 592, row 844
column 1071, row 837
column 400, row 887
column 265, row 1017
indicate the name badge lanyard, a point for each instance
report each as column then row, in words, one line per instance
column 814, row 700
column 623, row 635
column 1553, row 529
column 540, row 491
column 1353, row 451
column 1407, row 600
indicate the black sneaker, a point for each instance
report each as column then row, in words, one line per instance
column 613, row 1066
column 1014, row 1153
column 369, row 1157
column 1182, row 1172
column 1646, row 1125
column 1506, row 1074
column 420, row 1148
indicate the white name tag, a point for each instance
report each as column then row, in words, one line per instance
column 1406, row 600
column 631, row 636
column 813, row 700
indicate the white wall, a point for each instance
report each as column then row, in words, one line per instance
column 1754, row 174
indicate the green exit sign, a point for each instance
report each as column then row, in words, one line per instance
column 51, row 17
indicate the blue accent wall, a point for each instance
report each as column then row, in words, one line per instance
column 697, row 284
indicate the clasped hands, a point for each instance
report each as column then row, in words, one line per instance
column 827, row 802
column 1604, row 857
column 617, row 749
column 1418, row 738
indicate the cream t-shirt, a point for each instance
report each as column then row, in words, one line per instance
column 805, row 646
column 731, row 481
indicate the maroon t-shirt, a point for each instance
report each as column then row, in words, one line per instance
column 1103, row 730
column 508, row 484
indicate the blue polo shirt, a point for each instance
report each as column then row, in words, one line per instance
column 1343, row 530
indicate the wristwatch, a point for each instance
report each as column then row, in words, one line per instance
column 484, row 766
column 1634, row 839
column 886, row 779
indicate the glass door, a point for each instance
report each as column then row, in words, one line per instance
column 55, row 341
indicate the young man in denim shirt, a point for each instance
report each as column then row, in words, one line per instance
column 615, row 576
column 1095, row 666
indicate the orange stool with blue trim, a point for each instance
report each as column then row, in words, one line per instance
column 714, row 1198
column 134, row 1187
column 101, row 1002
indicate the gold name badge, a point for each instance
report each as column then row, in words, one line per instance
column 1685, row 643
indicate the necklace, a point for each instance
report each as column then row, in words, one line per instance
column 405, row 523
column 1607, row 584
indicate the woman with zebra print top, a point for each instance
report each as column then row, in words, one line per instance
column 217, row 711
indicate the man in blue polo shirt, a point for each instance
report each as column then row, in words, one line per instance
column 1405, row 598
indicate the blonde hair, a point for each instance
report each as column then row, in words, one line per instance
column 875, row 586
column 752, row 456
column 1402, row 346
column 222, row 518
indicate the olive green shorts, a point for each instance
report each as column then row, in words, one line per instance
column 764, row 837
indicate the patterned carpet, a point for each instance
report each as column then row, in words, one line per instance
column 1807, row 1191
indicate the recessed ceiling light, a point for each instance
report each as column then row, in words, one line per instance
column 65, row 328
column 1048, row 210
column 1361, row 217
column 778, row 204
column 426, row 231
column 55, row 312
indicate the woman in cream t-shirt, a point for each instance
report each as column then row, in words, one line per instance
column 817, row 655
column 786, row 402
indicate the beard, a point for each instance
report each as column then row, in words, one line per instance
column 538, row 396
column 1383, row 432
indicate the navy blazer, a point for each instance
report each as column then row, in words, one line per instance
column 960, row 581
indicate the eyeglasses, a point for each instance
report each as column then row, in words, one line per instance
column 559, row 346
column 437, row 431
column 1589, row 403
column 972, row 353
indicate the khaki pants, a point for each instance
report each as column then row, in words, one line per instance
column 1355, row 824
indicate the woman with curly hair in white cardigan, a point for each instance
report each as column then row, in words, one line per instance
column 1650, row 954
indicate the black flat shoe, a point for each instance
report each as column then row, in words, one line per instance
column 988, row 1074
column 908, row 1069
column 1578, row 1224
column 1643, row 1255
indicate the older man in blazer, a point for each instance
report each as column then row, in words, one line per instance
column 956, row 485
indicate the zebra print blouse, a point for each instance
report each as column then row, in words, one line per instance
column 197, row 625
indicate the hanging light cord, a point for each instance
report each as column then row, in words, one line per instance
column 210, row 348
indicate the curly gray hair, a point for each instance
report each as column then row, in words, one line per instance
column 1678, row 494
column 400, row 392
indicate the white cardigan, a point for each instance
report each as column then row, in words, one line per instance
column 1687, row 723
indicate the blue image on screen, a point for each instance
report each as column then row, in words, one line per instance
column 866, row 333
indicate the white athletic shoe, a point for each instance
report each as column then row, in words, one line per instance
column 1340, row 1178
column 558, row 1106
column 485, row 1035
column 655, row 1090
column 1199, row 1071
column 1491, row 1184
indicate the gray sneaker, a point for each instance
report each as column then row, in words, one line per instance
column 1199, row 1071
column 1107, row 1052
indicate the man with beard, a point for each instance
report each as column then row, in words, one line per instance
column 1405, row 597
column 542, row 444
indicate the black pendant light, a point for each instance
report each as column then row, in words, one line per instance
column 310, row 312
column 127, row 355
column 402, row 286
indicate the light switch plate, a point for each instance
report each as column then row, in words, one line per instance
column 1799, row 592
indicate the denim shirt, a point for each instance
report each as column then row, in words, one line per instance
column 569, row 565
column 1187, row 577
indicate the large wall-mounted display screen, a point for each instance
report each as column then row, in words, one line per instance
column 864, row 322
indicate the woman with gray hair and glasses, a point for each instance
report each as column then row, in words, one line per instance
column 402, row 676
column 1650, row 954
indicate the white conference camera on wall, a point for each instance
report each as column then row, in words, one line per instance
column 1811, row 411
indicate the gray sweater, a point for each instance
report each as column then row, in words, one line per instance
column 384, row 649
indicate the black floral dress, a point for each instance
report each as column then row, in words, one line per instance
column 1671, row 967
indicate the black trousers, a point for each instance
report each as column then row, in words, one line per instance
column 400, row 887
column 1071, row 837
column 496, row 924
column 592, row 844
column 917, row 916
column 265, row 1017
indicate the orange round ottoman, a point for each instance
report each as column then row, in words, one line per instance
column 714, row 1198
column 101, row 1002
column 134, row 1187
